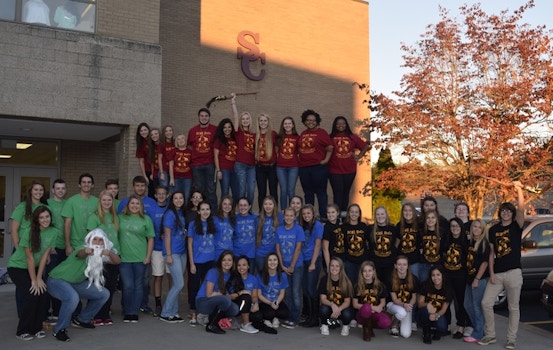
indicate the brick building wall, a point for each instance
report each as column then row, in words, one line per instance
column 314, row 52
column 136, row 20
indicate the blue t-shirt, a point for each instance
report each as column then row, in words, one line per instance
column 211, row 276
column 268, row 237
column 203, row 248
column 244, row 235
column 250, row 283
column 271, row 290
column 310, row 240
column 178, row 235
column 287, row 240
column 156, row 216
column 223, row 237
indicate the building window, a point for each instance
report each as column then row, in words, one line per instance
column 79, row 15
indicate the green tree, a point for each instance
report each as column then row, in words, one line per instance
column 390, row 198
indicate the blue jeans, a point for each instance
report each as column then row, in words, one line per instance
column 423, row 318
column 206, row 305
column 166, row 176
column 132, row 276
column 352, row 271
column 293, row 294
column 473, row 305
column 287, row 178
column 246, row 180
column 424, row 272
column 183, row 185
column 229, row 181
column 70, row 295
column 314, row 181
column 203, row 179
column 310, row 278
column 177, row 268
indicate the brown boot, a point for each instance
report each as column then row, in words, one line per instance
column 368, row 330
column 372, row 327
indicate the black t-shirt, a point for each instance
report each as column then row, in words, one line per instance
column 506, row 242
column 336, row 240
column 430, row 248
column 370, row 294
column 409, row 242
column 357, row 242
column 475, row 260
column 436, row 297
column 335, row 294
column 403, row 292
column 382, row 243
column 454, row 253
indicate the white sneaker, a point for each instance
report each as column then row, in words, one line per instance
column 414, row 327
column 276, row 323
column 268, row 323
column 324, row 330
column 248, row 328
column 468, row 331
column 353, row 324
column 202, row 319
column 345, row 331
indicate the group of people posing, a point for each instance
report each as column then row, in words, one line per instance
column 239, row 155
column 264, row 269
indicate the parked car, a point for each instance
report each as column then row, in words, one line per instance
column 536, row 254
column 547, row 293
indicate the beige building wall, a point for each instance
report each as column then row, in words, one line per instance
column 314, row 51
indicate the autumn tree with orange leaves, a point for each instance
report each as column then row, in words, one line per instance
column 474, row 111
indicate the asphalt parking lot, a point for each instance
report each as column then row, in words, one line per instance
column 151, row 333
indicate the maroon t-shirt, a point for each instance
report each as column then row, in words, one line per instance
column 200, row 141
column 262, row 154
column 312, row 146
column 342, row 160
column 227, row 154
column 167, row 151
column 181, row 163
column 287, row 156
column 245, row 153
column 143, row 152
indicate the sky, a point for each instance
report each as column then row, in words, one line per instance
column 392, row 22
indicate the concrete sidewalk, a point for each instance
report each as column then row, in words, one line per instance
column 150, row 333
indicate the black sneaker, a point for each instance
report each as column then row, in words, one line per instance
column 134, row 318
column 78, row 324
column 127, row 318
column 169, row 319
column 61, row 335
column 146, row 309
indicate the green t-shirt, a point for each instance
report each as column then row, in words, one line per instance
column 18, row 215
column 134, row 232
column 48, row 238
column 56, row 208
column 109, row 228
column 71, row 270
column 78, row 210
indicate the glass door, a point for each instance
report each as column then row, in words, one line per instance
column 14, row 182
